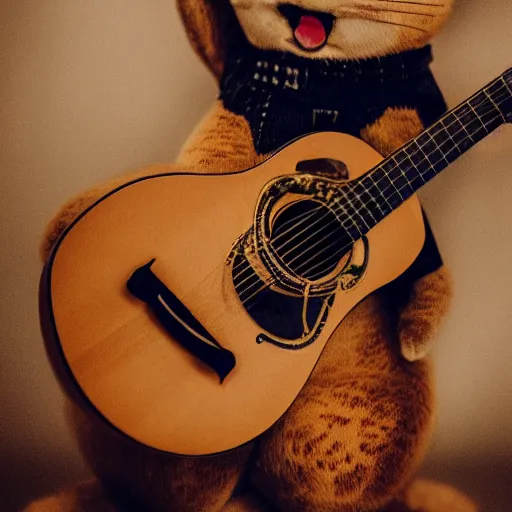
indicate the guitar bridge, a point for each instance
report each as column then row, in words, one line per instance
column 179, row 322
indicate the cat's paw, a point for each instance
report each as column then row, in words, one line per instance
column 420, row 319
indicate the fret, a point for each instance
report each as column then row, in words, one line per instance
column 463, row 129
column 370, row 205
column 363, row 208
column 346, row 218
column 496, row 106
column 398, row 178
column 457, row 134
column 500, row 97
column 480, row 116
column 455, row 146
column 472, row 123
column 412, row 171
column 499, row 90
column 444, row 142
column 403, row 182
column 367, row 202
column 376, row 181
column 486, row 104
column 506, row 107
column 387, row 167
column 508, row 86
column 500, row 93
column 348, row 211
column 422, row 161
column 438, row 149
column 371, row 190
column 388, row 188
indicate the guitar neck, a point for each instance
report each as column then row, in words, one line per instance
column 368, row 199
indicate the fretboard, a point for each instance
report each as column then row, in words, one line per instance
column 368, row 199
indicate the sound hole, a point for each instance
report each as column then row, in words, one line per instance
column 309, row 239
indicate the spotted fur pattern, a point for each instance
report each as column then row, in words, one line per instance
column 358, row 429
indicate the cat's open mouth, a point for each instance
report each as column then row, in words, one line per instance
column 311, row 29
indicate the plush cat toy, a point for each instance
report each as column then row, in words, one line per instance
column 355, row 435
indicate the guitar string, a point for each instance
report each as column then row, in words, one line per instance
column 288, row 240
column 321, row 272
column 462, row 111
column 293, row 260
column 442, row 144
column 272, row 281
column 420, row 147
column 293, row 248
column 308, row 214
column 238, row 284
column 414, row 179
column 312, row 235
column 294, row 220
column 417, row 177
column 248, row 267
column 335, row 255
column 420, row 176
column 465, row 109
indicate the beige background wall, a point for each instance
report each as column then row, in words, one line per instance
column 91, row 89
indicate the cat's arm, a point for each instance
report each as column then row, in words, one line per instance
column 422, row 295
column 419, row 320
column 222, row 142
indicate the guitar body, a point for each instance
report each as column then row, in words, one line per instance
column 200, row 230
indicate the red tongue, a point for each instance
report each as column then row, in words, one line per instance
column 310, row 33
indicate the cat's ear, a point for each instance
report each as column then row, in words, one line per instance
column 210, row 26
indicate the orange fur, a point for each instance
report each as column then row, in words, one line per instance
column 207, row 24
column 394, row 128
column 221, row 143
column 420, row 320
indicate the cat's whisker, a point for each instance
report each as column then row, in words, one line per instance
column 375, row 9
column 376, row 20
column 373, row 13
column 412, row 2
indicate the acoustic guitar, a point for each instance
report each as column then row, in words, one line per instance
column 189, row 310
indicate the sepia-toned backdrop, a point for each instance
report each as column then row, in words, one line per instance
column 91, row 89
